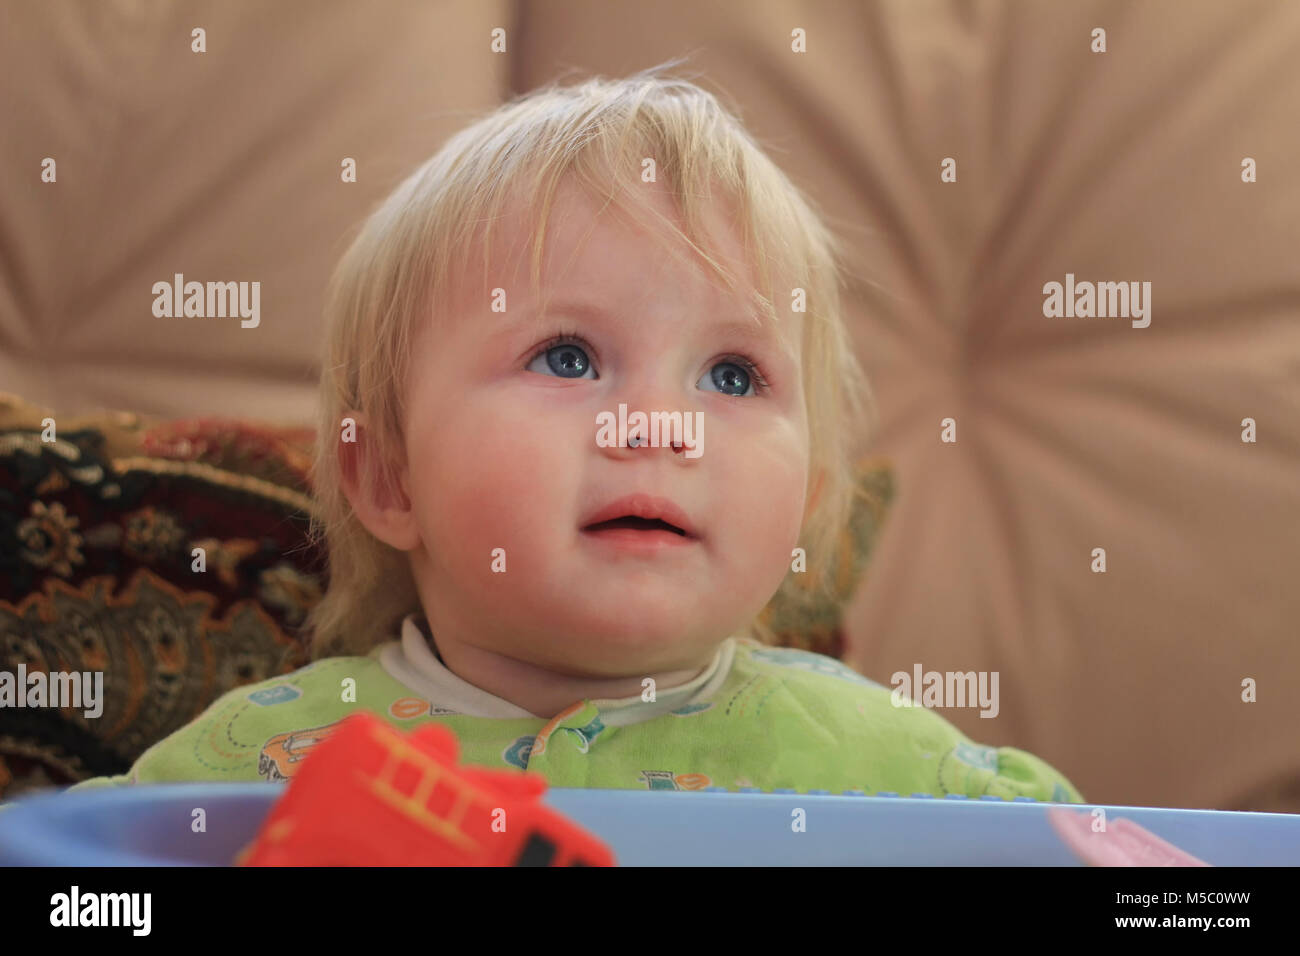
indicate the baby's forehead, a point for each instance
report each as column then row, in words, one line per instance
column 597, row 263
column 646, row 222
column 735, row 317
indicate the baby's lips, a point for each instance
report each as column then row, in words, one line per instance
column 643, row 505
column 1122, row 843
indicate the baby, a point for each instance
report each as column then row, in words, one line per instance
column 570, row 597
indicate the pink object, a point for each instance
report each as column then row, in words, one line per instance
column 1122, row 843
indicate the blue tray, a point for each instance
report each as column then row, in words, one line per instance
column 151, row 826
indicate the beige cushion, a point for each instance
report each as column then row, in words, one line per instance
column 222, row 166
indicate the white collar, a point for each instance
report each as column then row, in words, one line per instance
column 413, row 662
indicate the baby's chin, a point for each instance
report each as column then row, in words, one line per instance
column 599, row 648
column 636, row 618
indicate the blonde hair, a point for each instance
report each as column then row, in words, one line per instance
column 396, row 273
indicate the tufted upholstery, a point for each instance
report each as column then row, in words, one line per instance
column 1072, row 434
column 222, row 166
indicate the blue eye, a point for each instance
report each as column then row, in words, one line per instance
column 567, row 356
column 732, row 378
column 564, row 359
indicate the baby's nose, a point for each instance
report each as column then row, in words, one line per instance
column 639, row 440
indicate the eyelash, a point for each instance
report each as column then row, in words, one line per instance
column 752, row 369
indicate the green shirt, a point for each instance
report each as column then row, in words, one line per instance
column 758, row 716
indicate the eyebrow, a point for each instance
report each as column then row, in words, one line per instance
column 757, row 333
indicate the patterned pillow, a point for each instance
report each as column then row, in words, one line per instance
column 176, row 551
column 179, row 552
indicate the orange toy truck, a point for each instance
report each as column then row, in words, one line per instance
column 368, row 795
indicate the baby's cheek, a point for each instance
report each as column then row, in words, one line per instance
column 770, row 484
column 502, row 495
column 771, row 512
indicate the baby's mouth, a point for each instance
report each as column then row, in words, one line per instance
column 630, row 534
column 635, row 524
column 641, row 519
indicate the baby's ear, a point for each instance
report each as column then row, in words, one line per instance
column 375, row 488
